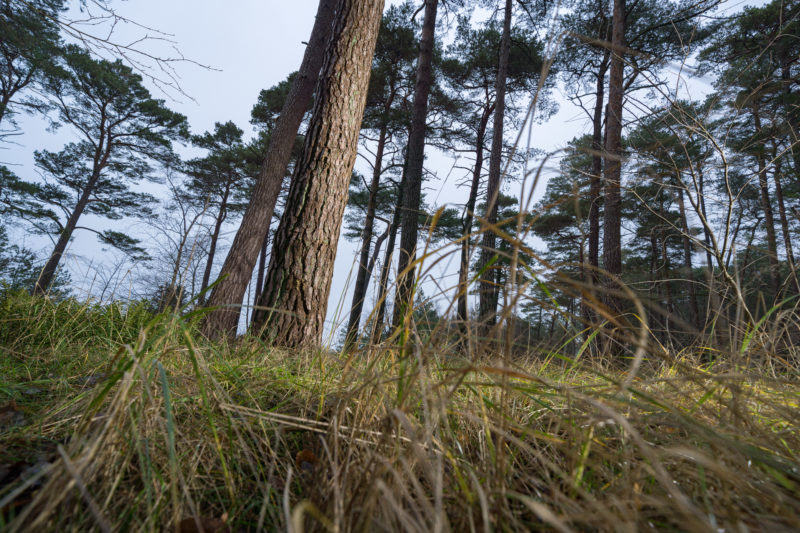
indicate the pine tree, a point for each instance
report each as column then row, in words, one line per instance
column 297, row 286
column 122, row 128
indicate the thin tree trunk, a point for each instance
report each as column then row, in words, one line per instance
column 377, row 327
column 412, row 191
column 769, row 219
column 262, row 269
column 100, row 161
column 469, row 213
column 362, row 279
column 301, row 267
column 488, row 287
column 706, row 235
column 694, row 312
column 612, row 199
column 242, row 257
column 596, row 181
column 787, row 238
column 212, row 247
column 49, row 270
column 667, row 284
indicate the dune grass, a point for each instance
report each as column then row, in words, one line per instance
column 129, row 422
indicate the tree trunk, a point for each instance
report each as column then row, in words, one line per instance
column 787, row 238
column 100, row 161
column 469, row 213
column 262, row 269
column 595, row 187
column 769, row 219
column 612, row 199
column 706, row 234
column 412, row 191
column 377, row 327
column 596, row 180
column 212, row 247
column 666, row 277
column 694, row 312
column 301, row 267
column 242, row 257
column 362, row 279
column 49, row 270
column 488, row 287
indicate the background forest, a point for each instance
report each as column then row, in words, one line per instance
column 396, row 299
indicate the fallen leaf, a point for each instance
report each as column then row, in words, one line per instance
column 305, row 461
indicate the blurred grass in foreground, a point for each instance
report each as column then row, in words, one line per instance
column 126, row 421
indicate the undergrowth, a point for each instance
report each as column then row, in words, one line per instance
column 126, row 421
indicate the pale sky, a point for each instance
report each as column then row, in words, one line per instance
column 250, row 45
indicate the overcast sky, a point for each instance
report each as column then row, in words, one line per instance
column 251, row 45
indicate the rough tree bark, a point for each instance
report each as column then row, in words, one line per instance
column 612, row 199
column 488, row 289
column 295, row 297
column 412, row 191
column 237, row 270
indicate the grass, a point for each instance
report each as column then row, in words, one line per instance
column 132, row 423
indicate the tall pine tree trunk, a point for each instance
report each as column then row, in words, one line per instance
column 777, row 175
column 362, row 279
column 488, row 287
column 596, row 181
column 383, row 290
column 238, row 267
column 612, row 198
column 301, row 267
column 469, row 213
column 769, row 218
column 412, row 191
column 694, row 311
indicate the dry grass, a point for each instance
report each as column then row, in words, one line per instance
column 424, row 442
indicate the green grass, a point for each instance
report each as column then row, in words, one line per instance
column 180, row 428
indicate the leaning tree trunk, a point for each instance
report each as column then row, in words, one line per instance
column 362, row 279
column 237, row 270
column 295, row 297
column 49, row 271
column 469, row 213
column 612, row 198
column 488, row 287
column 412, row 191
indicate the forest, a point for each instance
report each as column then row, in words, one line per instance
column 472, row 265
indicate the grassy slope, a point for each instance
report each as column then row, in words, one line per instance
column 131, row 423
